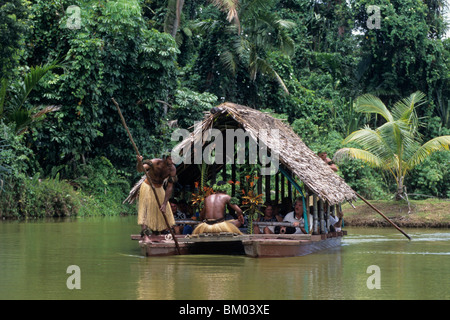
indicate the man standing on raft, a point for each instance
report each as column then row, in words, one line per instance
column 149, row 213
column 213, row 215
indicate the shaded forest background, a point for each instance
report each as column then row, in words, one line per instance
column 304, row 61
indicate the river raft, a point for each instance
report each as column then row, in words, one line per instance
column 300, row 172
column 251, row 245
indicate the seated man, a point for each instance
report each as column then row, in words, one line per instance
column 213, row 215
column 184, row 208
column 178, row 215
column 336, row 222
column 324, row 157
column 296, row 218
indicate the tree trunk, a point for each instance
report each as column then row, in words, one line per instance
column 176, row 22
column 399, row 195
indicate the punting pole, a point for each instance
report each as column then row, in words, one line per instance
column 387, row 219
column 148, row 175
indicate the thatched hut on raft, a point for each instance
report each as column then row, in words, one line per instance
column 298, row 169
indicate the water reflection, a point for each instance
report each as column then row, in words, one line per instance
column 236, row 277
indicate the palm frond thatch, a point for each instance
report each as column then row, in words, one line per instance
column 293, row 153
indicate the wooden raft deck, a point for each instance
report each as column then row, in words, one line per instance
column 261, row 245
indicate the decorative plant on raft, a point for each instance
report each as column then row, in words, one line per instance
column 251, row 201
column 198, row 197
column 201, row 189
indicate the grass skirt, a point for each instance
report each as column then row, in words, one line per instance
column 148, row 209
column 224, row 226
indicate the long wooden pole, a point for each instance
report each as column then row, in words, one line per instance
column 387, row 219
column 147, row 174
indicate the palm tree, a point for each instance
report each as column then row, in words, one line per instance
column 261, row 30
column 175, row 8
column 13, row 107
column 231, row 7
column 255, row 30
column 396, row 145
column 266, row 31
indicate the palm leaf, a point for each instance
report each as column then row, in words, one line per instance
column 286, row 43
column 228, row 59
column 368, row 103
column 371, row 141
column 397, row 136
column 30, row 81
column 367, row 137
column 354, row 153
column 21, row 117
column 437, row 144
column 286, row 24
column 262, row 66
column 231, row 8
column 204, row 27
column 15, row 109
column 405, row 108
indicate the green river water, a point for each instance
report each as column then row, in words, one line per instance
column 35, row 256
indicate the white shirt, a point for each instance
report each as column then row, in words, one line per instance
column 333, row 220
column 178, row 215
column 290, row 217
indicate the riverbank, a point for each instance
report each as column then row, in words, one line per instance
column 431, row 213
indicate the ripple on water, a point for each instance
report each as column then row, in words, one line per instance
column 408, row 253
column 415, row 237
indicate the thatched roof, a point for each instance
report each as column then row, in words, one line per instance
column 293, row 153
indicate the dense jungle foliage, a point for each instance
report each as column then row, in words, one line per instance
column 63, row 149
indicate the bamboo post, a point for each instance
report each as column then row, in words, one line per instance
column 315, row 216
column 224, row 172
column 267, row 187
column 333, row 212
column 259, row 184
column 322, row 217
column 233, row 178
column 327, row 218
column 147, row 175
column 290, row 191
column 224, row 155
column 307, row 210
column 277, row 187
column 214, row 173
